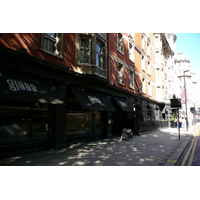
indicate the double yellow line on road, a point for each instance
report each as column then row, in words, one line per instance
column 193, row 147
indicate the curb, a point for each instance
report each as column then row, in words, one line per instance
column 174, row 158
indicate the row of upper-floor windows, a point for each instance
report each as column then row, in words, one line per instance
column 89, row 43
column 91, row 49
column 52, row 43
column 146, row 86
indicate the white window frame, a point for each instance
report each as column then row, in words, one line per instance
column 100, row 54
column 47, row 38
column 157, row 56
column 143, row 85
column 157, row 42
column 149, row 68
column 120, row 73
column 132, row 78
column 143, row 63
column 143, row 42
column 120, row 43
column 149, row 88
column 131, row 48
column 148, row 47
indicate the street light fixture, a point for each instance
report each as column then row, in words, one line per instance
column 186, row 118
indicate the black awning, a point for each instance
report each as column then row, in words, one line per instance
column 19, row 87
column 124, row 105
column 92, row 100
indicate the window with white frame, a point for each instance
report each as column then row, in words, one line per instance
column 149, row 68
column 52, row 43
column 132, row 36
column 143, row 62
column 120, row 73
column 148, row 47
column 132, row 78
column 120, row 42
column 143, row 85
column 131, row 51
column 157, row 38
column 149, row 88
column 143, row 42
column 157, row 56
column 99, row 55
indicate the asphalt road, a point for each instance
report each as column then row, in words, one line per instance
column 191, row 154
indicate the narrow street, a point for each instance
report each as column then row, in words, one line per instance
column 191, row 154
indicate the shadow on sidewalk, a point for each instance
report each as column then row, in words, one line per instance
column 150, row 149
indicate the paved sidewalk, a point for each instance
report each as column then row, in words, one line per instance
column 157, row 148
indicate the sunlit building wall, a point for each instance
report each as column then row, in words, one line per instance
column 182, row 63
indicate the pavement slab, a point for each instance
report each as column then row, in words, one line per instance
column 156, row 148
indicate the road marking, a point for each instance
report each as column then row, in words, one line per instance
column 191, row 145
column 193, row 150
column 172, row 161
column 179, row 149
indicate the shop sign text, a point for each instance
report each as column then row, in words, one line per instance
column 16, row 85
column 95, row 100
column 123, row 104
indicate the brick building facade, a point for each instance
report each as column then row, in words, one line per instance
column 60, row 88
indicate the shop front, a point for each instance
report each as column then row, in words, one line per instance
column 26, row 104
column 88, row 115
column 124, row 116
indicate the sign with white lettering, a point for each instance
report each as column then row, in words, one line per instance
column 16, row 85
column 95, row 100
column 123, row 104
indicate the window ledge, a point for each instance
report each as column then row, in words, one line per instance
column 131, row 60
column 121, row 83
column 55, row 55
column 120, row 52
column 86, row 68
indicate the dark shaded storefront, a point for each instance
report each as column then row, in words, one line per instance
column 46, row 106
column 124, row 115
column 88, row 115
column 26, row 110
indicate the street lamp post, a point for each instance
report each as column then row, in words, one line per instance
column 186, row 118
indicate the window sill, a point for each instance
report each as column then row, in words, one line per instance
column 121, row 83
column 55, row 55
column 131, row 60
column 120, row 52
column 87, row 68
column 132, row 87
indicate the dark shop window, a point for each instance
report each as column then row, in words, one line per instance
column 23, row 122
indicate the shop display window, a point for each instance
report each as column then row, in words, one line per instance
column 23, row 122
column 83, row 122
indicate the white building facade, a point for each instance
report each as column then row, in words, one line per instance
column 183, row 70
column 165, row 48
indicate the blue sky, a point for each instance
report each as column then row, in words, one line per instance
column 189, row 44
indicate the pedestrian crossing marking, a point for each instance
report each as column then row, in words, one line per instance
column 172, row 161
